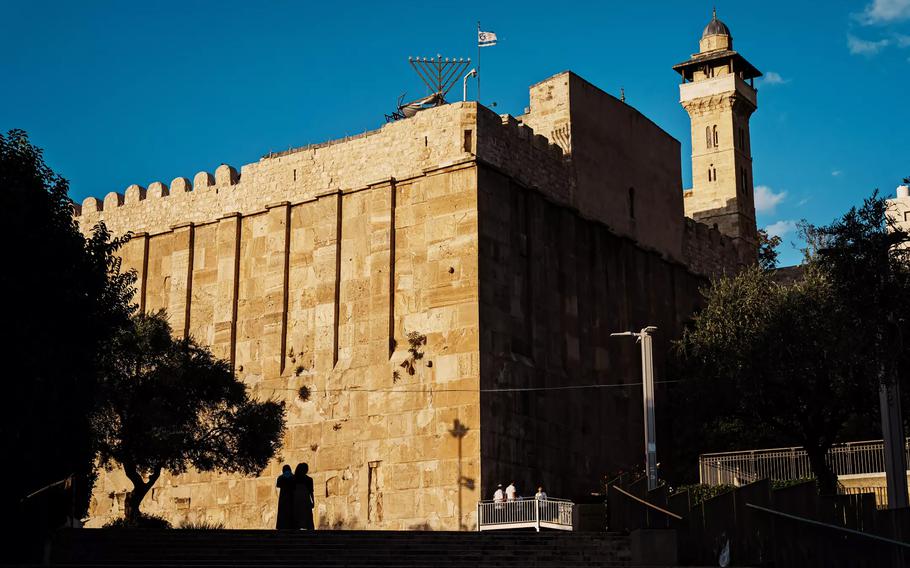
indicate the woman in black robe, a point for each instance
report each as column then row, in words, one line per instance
column 286, row 486
column 303, row 498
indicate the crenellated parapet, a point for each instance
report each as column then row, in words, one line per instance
column 532, row 159
column 709, row 252
column 404, row 149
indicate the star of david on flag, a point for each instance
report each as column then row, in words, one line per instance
column 486, row 39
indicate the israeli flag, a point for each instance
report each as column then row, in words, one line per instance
column 486, row 39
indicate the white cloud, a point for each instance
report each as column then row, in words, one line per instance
column 902, row 40
column 781, row 228
column 766, row 200
column 773, row 78
column 859, row 46
column 885, row 11
column 837, row 173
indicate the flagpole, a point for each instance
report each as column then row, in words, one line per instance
column 478, row 61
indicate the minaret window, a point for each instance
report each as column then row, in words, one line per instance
column 714, row 133
column 708, row 136
column 712, row 173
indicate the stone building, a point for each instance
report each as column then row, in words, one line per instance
column 899, row 208
column 515, row 245
column 719, row 100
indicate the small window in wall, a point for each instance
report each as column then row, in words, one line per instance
column 631, row 202
column 708, row 136
column 712, row 173
column 374, row 493
column 714, row 131
column 907, row 216
column 468, row 138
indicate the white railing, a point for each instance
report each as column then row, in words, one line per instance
column 781, row 464
column 527, row 512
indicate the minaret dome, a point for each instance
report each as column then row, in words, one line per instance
column 716, row 36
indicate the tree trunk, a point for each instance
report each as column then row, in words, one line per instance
column 134, row 498
column 827, row 481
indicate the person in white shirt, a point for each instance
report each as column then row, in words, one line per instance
column 541, row 494
column 499, row 497
column 511, row 492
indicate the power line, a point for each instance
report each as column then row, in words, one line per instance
column 496, row 390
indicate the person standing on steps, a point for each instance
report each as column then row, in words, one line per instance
column 286, row 486
column 303, row 498
column 511, row 492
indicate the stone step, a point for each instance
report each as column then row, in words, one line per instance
column 215, row 548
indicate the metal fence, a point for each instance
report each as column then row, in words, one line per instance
column 525, row 513
column 781, row 464
column 880, row 492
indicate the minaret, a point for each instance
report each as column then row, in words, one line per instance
column 719, row 94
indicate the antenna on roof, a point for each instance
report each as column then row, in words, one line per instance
column 439, row 75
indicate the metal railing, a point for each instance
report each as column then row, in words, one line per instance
column 526, row 512
column 781, row 464
column 880, row 492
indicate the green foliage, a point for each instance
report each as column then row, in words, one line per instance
column 772, row 364
column 868, row 260
column 167, row 404
column 767, row 250
column 784, row 483
column 700, row 492
column 143, row 521
column 416, row 341
column 64, row 297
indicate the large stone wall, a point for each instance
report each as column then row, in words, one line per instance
column 625, row 169
column 321, row 289
column 554, row 286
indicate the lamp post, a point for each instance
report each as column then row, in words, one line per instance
column 464, row 84
column 647, row 381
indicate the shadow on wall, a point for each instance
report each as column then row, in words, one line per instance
column 339, row 524
column 459, row 431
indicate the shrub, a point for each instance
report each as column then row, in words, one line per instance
column 201, row 525
column 700, row 492
column 143, row 522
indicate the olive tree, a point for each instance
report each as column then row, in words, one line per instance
column 168, row 404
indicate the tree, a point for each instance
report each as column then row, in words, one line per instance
column 770, row 363
column 767, row 250
column 767, row 363
column 64, row 297
column 167, row 404
column 867, row 258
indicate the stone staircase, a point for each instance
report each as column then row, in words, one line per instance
column 217, row 548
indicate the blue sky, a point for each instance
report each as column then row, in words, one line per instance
column 128, row 92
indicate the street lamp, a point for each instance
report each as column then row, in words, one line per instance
column 647, row 382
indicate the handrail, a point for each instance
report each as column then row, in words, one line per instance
column 67, row 479
column 526, row 499
column 642, row 501
column 828, row 526
column 525, row 512
column 792, row 448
